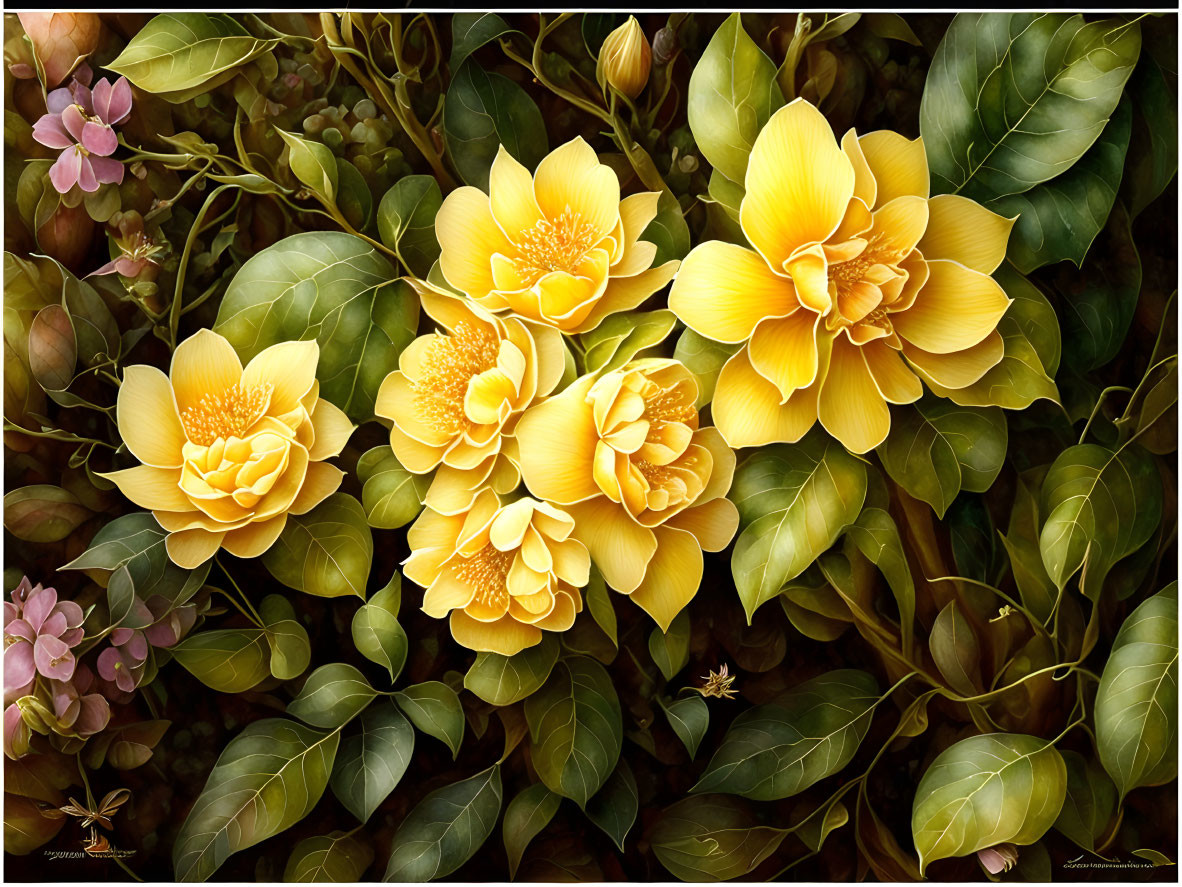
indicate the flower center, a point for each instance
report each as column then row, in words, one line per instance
column 554, row 246
column 448, row 363
column 485, row 573
column 225, row 415
column 665, row 405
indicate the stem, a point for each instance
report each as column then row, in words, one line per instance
column 257, row 619
column 1096, row 409
column 174, row 314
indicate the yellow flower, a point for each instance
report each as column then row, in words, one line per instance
column 859, row 286
column 559, row 247
column 624, row 455
column 228, row 452
column 457, row 395
column 503, row 572
column 625, row 59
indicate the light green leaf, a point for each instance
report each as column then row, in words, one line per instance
column 526, row 815
column 1014, row 99
column 987, row 790
column 732, row 93
column 503, row 680
column 326, row 552
column 353, row 195
column 712, row 838
column 668, row 231
column 576, row 728
column 332, row 287
column 314, row 165
column 435, row 709
column 377, row 634
column 704, row 358
column 1098, row 507
column 406, row 221
column 936, row 449
column 337, row 858
column 446, row 828
column 794, row 501
column 483, row 111
column 621, row 337
column 229, row 660
column 372, row 759
column 266, row 780
column 391, row 496
column 1090, row 802
column 614, row 807
column 1137, row 702
column 179, row 55
column 779, row 749
column 333, row 695
column 670, row 650
column 877, row 537
column 291, row 651
column 689, row 717
column 599, row 603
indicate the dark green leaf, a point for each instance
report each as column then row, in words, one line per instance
column 712, row 838
column 689, row 717
column 291, row 650
column 503, row 680
column 614, row 807
column 376, row 631
column 472, row 30
column 333, row 695
column 526, row 815
column 229, row 660
column 1090, row 802
column 337, row 858
column 877, row 537
column 326, row 552
column 372, row 759
column 435, row 709
column 670, row 650
column 406, row 218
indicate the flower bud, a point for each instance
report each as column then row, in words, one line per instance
column 625, row 59
column 61, row 40
column 664, row 45
column 998, row 859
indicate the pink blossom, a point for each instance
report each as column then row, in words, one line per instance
column 80, row 122
column 39, row 634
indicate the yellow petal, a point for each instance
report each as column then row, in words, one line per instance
column 447, row 593
column 255, row 538
column 901, row 223
column 899, row 165
column 865, row 188
column 636, row 211
column 157, row 489
column 415, row 456
column 748, row 411
column 722, row 463
column 956, row 309
column 850, row 407
column 333, row 430
column 205, row 363
column 489, row 396
column 722, row 291
column 509, row 526
column 960, row 368
column 432, row 539
column 894, row 380
column 798, row 183
column 550, row 354
column 191, row 548
column 571, row 176
column 511, row 195
column 147, row 417
column 557, row 441
column 290, row 367
column 506, row 636
column 673, row 576
column 964, row 231
column 626, row 293
column 620, row 547
column 713, row 523
column 321, row 480
column 468, row 237
column 784, row 351
column 567, row 602
column 572, row 562
column 809, row 269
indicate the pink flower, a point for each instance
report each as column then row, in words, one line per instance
column 123, row 662
column 80, row 122
column 39, row 634
column 137, row 250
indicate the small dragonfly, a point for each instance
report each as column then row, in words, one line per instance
column 100, row 815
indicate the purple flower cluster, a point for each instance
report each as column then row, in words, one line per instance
column 80, row 122
column 123, row 662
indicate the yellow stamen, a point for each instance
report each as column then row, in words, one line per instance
column 554, row 246
column 448, row 364
column 485, row 572
column 228, row 414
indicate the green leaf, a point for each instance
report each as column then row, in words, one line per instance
column 1090, row 802
column 291, row 651
column 689, row 717
column 704, row 358
column 877, row 537
column 1059, row 219
column 43, row 513
column 599, row 603
column 503, row 680
column 732, row 93
column 1153, row 148
column 614, row 807
column 353, row 195
column 1137, row 703
column 670, row 650
column 1099, row 507
column 526, row 815
column 333, row 287
column 333, row 695
column 576, row 728
column 446, row 828
column 179, row 55
column 936, row 449
column 712, row 838
column 1021, row 543
column 987, row 790
column 266, row 780
column 435, row 709
column 1014, row 99
column 668, row 231
column 229, row 660
column 483, row 111
column 314, row 165
column 956, row 650
column 779, row 749
column 406, row 219
column 621, row 337
column 372, row 759
column 326, row 552
column 472, row 30
column 794, row 501
column 376, row 631
column 338, row 857
column 391, row 496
